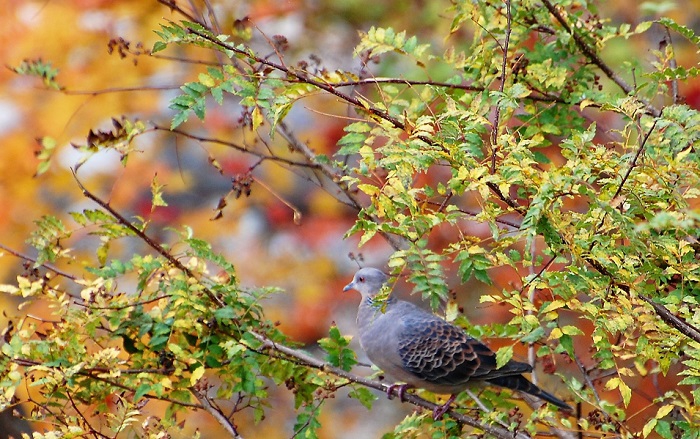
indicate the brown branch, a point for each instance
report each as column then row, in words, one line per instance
column 668, row 41
column 147, row 239
column 84, row 419
column 590, row 53
column 238, row 147
column 378, row 80
column 211, row 408
column 172, row 4
column 334, row 175
column 417, row 401
column 130, row 305
column 87, row 374
column 116, row 90
column 672, row 320
column 667, row 316
column 506, row 199
column 44, row 265
column 633, row 163
column 303, row 77
column 497, row 116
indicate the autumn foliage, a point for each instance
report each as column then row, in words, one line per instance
column 202, row 182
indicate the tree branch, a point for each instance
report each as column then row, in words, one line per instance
column 497, row 116
column 238, row 147
column 45, row 265
column 667, row 316
column 334, row 174
column 147, row 239
column 417, row 401
column 633, row 163
column 216, row 412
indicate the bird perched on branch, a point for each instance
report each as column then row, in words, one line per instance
column 424, row 351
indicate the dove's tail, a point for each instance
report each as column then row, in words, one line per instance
column 520, row 383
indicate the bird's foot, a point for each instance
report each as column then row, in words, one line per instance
column 440, row 411
column 401, row 390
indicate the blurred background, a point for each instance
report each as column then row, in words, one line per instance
column 308, row 258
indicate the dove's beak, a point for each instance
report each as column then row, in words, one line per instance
column 349, row 286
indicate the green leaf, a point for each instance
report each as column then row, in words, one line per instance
column 142, row 390
column 336, row 347
column 363, row 395
column 158, row 46
column 503, row 356
column 157, row 193
column 567, row 343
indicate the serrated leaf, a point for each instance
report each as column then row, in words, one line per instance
column 551, row 306
column 649, row 427
column 503, row 355
column 364, row 396
column 571, row 330
column 158, row 46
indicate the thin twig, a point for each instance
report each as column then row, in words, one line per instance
column 84, row 419
column 32, row 260
column 172, row 4
column 531, row 354
column 667, row 316
column 117, row 90
column 633, row 163
column 216, row 413
column 668, row 42
column 671, row 319
column 238, row 147
column 303, row 77
column 147, row 239
column 586, row 378
column 334, row 175
column 497, row 116
column 88, row 374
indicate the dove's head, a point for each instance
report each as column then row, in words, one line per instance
column 368, row 281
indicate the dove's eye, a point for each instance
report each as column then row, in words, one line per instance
column 361, row 279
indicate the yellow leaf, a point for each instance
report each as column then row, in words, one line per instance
column 451, row 310
column 555, row 334
column 571, row 330
column 626, row 392
column 168, row 384
column 552, row 306
column 649, row 427
column 368, row 189
column 663, row 411
column 503, row 355
column 532, row 320
column 585, row 103
column 626, row 371
column 196, row 375
column 258, row 118
column 207, row 80
column 9, row 289
column 612, row 383
column 643, row 27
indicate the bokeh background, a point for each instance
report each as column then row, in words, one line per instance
column 309, row 259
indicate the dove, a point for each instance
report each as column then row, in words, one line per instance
column 424, row 351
